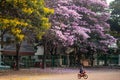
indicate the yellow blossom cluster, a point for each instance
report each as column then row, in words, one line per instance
column 25, row 13
column 47, row 10
column 19, row 37
column 12, row 25
column 17, row 32
column 27, row 10
column 6, row 23
column 40, row 34
column 45, row 23
column 46, row 26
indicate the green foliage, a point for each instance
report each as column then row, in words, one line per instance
column 115, row 15
column 115, row 6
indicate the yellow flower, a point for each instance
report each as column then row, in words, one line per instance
column 21, row 37
column 15, row 30
column 44, row 19
column 46, row 25
column 18, row 30
column 52, row 11
column 40, row 34
column 6, row 21
column 28, row 10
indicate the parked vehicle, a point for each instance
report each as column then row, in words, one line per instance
column 4, row 66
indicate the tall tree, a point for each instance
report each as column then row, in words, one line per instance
column 82, row 23
column 21, row 18
column 78, row 20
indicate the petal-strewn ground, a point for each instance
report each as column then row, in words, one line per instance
column 59, row 74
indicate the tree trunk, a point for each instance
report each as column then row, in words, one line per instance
column 44, row 57
column 68, row 60
column 1, row 48
column 51, row 54
column 2, row 36
column 105, row 59
column 17, row 56
column 77, row 56
column 53, row 61
column 2, row 41
column 92, row 59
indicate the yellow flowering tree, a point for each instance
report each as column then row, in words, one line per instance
column 19, row 17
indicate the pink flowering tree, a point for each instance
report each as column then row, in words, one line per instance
column 80, row 21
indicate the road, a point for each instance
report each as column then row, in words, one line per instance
column 93, row 74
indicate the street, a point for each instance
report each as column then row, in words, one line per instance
column 61, row 74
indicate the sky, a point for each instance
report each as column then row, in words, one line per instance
column 108, row 1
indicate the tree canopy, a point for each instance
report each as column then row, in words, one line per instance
column 20, row 16
column 81, row 22
column 115, row 15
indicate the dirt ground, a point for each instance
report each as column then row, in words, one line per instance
column 59, row 74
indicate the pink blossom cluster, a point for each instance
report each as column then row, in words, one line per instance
column 80, row 21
